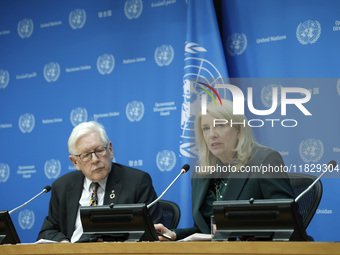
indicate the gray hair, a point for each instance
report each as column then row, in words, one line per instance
column 83, row 129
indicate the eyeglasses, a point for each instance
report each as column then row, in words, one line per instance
column 85, row 157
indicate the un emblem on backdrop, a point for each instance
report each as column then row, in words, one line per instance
column 164, row 55
column 4, row 172
column 199, row 69
column 78, row 116
column 26, row 123
column 52, row 168
column 311, row 150
column 4, row 79
column 26, row 219
column 51, row 71
column 166, row 160
column 308, row 32
column 105, row 63
column 25, row 28
column 236, row 44
column 77, row 18
column 267, row 95
column 133, row 8
column 135, row 111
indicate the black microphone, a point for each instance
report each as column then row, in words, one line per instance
column 185, row 168
column 331, row 165
column 45, row 190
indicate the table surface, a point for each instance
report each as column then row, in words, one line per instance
column 115, row 248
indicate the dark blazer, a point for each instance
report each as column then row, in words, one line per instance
column 130, row 186
column 241, row 186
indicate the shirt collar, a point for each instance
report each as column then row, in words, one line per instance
column 87, row 183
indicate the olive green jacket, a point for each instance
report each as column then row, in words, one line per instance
column 241, row 186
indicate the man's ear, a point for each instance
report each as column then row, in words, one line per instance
column 74, row 161
column 111, row 151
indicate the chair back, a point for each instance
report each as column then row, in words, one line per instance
column 309, row 202
column 171, row 214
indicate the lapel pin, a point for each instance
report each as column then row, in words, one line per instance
column 112, row 195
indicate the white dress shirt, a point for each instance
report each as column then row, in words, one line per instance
column 85, row 201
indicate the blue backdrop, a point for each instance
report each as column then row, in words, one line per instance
column 128, row 65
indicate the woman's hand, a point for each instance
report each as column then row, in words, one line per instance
column 160, row 228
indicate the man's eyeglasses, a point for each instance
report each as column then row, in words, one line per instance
column 85, row 157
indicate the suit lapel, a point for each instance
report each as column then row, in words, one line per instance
column 235, row 185
column 113, row 187
column 200, row 187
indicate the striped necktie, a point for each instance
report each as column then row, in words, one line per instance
column 94, row 197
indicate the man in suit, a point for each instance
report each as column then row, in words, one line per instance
column 91, row 153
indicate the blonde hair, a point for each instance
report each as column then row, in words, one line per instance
column 246, row 141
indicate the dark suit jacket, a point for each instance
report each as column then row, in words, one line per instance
column 130, row 186
column 241, row 186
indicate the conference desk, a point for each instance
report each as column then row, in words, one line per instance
column 164, row 248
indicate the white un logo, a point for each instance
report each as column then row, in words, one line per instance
column 51, row 72
column 236, row 44
column 4, row 172
column 77, row 18
column 311, row 150
column 26, row 123
column 4, row 79
column 26, row 219
column 135, row 111
column 164, row 55
column 52, row 168
column 105, row 64
column 133, row 8
column 25, row 28
column 78, row 115
column 308, row 32
column 166, row 160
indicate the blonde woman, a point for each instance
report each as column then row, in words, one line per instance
column 232, row 166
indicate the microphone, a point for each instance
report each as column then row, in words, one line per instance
column 185, row 168
column 331, row 165
column 45, row 190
